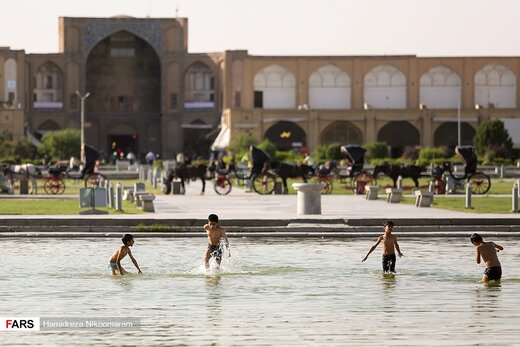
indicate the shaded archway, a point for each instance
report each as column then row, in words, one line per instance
column 398, row 135
column 447, row 134
column 286, row 135
column 123, row 76
column 196, row 143
column 341, row 132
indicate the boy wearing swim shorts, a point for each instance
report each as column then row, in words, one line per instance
column 120, row 253
column 215, row 234
column 488, row 252
column 390, row 245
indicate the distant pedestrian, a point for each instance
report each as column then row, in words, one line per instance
column 150, row 157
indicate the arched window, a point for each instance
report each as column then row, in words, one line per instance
column 10, row 81
column 495, row 86
column 274, row 87
column 199, row 87
column 48, row 88
column 385, row 88
column 341, row 132
column 329, row 88
column 440, row 88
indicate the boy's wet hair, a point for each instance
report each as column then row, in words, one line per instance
column 476, row 238
column 389, row 223
column 127, row 238
column 213, row 218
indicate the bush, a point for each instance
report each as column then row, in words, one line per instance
column 268, row 147
column 376, row 150
column 61, row 144
column 333, row 152
column 240, row 143
column 492, row 133
column 430, row 153
column 411, row 153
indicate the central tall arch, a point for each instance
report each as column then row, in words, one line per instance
column 123, row 76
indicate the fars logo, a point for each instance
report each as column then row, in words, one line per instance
column 20, row 323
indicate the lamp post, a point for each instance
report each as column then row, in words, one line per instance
column 82, row 122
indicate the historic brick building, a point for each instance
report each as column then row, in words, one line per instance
column 147, row 92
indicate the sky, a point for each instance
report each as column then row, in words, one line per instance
column 292, row 27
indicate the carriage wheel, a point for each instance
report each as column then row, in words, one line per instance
column 325, row 182
column 264, row 183
column 222, row 186
column 361, row 180
column 94, row 180
column 54, row 186
column 479, row 183
column 439, row 185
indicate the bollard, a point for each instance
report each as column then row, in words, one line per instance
column 400, row 182
column 111, row 196
column 468, row 195
column 515, row 198
column 309, row 198
column 502, row 171
column 431, row 187
column 119, row 197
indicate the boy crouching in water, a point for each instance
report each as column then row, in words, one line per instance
column 120, row 253
column 488, row 252
column 215, row 234
column 389, row 243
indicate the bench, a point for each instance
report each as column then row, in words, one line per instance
column 393, row 195
column 137, row 197
column 371, row 192
column 147, row 202
column 423, row 198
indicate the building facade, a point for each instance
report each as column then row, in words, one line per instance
column 148, row 93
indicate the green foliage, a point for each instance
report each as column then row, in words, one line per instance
column 15, row 152
column 288, row 156
column 268, row 147
column 61, row 144
column 376, row 150
column 333, row 152
column 492, row 133
column 430, row 153
column 240, row 143
column 320, row 153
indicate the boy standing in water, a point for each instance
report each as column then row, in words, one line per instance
column 488, row 252
column 215, row 234
column 120, row 253
column 389, row 244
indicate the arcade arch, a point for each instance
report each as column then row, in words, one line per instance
column 398, row 135
column 286, row 135
column 385, row 88
column 274, row 88
column 329, row 88
column 495, row 87
column 341, row 132
column 440, row 88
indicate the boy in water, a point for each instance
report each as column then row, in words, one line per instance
column 389, row 244
column 215, row 234
column 488, row 252
column 120, row 253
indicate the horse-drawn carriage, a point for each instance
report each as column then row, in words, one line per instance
column 264, row 172
column 357, row 175
column 479, row 182
column 54, row 182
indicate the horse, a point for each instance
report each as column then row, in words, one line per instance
column 186, row 172
column 286, row 170
column 394, row 171
column 22, row 172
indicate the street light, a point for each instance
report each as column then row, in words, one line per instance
column 82, row 122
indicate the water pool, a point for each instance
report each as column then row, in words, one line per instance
column 313, row 292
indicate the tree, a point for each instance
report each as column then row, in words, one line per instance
column 376, row 150
column 241, row 142
column 492, row 134
column 61, row 144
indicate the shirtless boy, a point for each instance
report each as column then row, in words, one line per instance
column 120, row 253
column 390, row 245
column 215, row 234
column 488, row 252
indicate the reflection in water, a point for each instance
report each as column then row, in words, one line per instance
column 213, row 304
